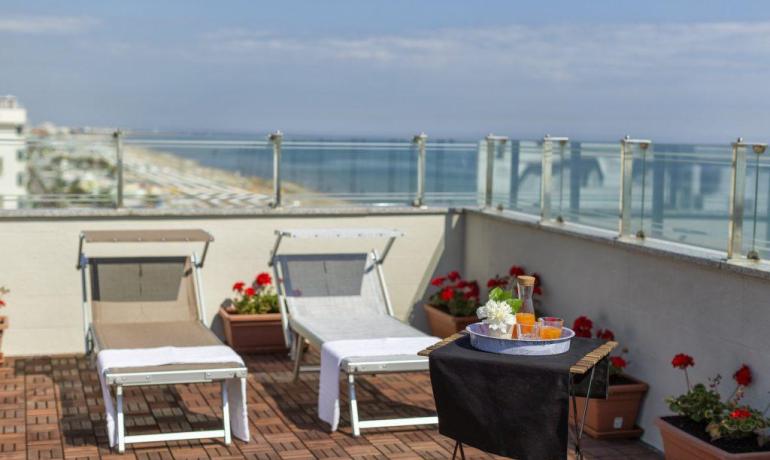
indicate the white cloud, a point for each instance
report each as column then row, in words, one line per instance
column 46, row 24
column 552, row 52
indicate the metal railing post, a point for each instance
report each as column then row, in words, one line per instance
column 490, row 170
column 420, row 140
column 575, row 178
column 546, row 170
column 627, row 182
column 546, row 177
column 276, row 138
column 490, row 173
column 118, row 138
column 737, row 198
column 626, row 166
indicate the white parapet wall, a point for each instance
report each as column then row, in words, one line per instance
column 657, row 302
column 39, row 257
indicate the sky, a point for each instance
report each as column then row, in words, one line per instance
column 686, row 70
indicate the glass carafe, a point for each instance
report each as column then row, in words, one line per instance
column 525, row 318
column 526, row 287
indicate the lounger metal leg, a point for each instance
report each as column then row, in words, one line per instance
column 119, row 425
column 298, row 352
column 226, row 412
column 353, row 405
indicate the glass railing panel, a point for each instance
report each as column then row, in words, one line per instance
column 451, row 173
column 346, row 173
column 62, row 172
column 756, row 236
column 176, row 171
column 585, row 189
column 516, row 175
column 687, row 194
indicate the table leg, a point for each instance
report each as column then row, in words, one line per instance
column 578, row 427
column 458, row 445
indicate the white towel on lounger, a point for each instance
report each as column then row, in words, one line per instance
column 334, row 352
column 143, row 357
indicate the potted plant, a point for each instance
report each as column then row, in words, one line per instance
column 614, row 417
column 705, row 427
column 252, row 320
column 3, row 319
column 453, row 306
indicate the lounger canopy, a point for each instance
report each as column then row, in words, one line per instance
column 147, row 236
column 326, row 297
column 147, row 302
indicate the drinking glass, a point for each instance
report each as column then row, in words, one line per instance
column 525, row 326
column 550, row 327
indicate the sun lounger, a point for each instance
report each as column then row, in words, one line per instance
column 146, row 318
column 329, row 297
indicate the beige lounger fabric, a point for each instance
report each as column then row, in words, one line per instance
column 142, row 290
column 154, row 335
column 148, row 302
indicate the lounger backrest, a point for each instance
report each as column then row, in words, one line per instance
column 327, row 285
column 142, row 289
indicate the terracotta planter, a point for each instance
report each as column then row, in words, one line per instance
column 253, row 333
column 614, row 417
column 442, row 324
column 680, row 445
column 3, row 327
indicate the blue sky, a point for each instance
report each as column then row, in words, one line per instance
column 671, row 71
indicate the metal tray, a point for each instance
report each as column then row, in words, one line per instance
column 481, row 340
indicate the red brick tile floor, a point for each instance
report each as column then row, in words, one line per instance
column 51, row 408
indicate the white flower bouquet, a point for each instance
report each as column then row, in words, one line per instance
column 499, row 313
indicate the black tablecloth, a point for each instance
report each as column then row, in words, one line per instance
column 516, row 406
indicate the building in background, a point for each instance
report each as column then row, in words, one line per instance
column 13, row 119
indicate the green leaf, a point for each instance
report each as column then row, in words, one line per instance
column 499, row 295
column 515, row 305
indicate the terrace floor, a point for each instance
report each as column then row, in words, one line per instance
column 51, row 408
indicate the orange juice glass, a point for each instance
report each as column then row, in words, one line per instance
column 550, row 328
column 525, row 323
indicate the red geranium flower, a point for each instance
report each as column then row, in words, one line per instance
column 2, row 303
column 516, row 271
column 605, row 334
column 453, row 276
column 438, row 281
column 582, row 327
column 497, row 282
column 263, row 279
column 447, row 294
column 249, row 291
column 618, row 362
column 474, row 288
column 740, row 413
column 538, row 290
column 682, row 361
column 743, row 376
column 238, row 287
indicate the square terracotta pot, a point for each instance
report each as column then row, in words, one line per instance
column 680, row 445
column 614, row 417
column 253, row 333
column 442, row 324
column 3, row 326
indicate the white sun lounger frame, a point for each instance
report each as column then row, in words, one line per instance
column 128, row 379
column 351, row 367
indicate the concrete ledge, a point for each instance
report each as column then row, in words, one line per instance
column 650, row 246
column 126, row 213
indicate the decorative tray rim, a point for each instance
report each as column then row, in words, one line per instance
column 570, row 335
